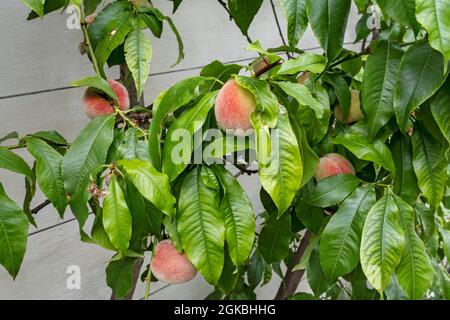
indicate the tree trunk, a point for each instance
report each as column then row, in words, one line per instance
column 292, row 278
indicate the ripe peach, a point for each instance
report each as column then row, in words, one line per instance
column 355, row 113
column 170, row 266
column 96, row 104
column 333, row 164
column 234, row 105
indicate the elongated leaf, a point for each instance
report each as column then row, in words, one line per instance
column 378, row 85
column 282, row 176
column 119, row 276
column 332, row 190
column 328, row 21
column 430, row 164
column 13, row 234
column 316, row 277
column 341, row 239
column 420, row 76
column 415, row 272
column 405, row 182
column 186, row 125
column 138, row 54
column 434, row 15
column 357, row 141
column 176, row 97
column 153, row 185
column 118, row 29
column 266, row 101
column 201, row 226
column 439, row 107
column 117, row 216
column 12, row 162
column 35, row 5
column 239, row 217
column 305, row 62
column 303, row 96
column 403, row 12
column 297, row 19
column 48, row 172
column 275, row 238
column 10, row 136
column 243, row 12
column 88, row 151
column 382, row 243
column 98, row 83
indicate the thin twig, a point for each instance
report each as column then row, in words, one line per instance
column 40, row 207
column 279, row 28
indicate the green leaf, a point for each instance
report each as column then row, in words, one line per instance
column 155, row 25
column 282, row 176
column 119, row 276
column 89, row 6
column 238, row 215
column 430, row 164
column 243, row 12
column 153, row 185
column 176, row 155
column 220, row 71
column 297, row 19
column 303, row 96
column 117, row 216
column 88, row 151
column 304, row 62
column 316, row 278
column 275, row 238
column 415, row 272
column 333, row 190
column 35, row 5
column 341, row 239
column 172, row 26
column 138, row 54
column 13, row 234
column 98, row 83
column 342, row 92
column 51, row 136
column 405, row 182
column 118, row 29
column 201, row 226
column 176, row 97
column 10, row 136
column 357, row 141
column 309, row 158
column 329, row 21
column 403, row 12
column 230, row 275
column 226, row 145
column 12, row 162
column 421, row 75
column 176, row 4
column 48, row 172
column 382, row 242
column 49, row 6
column 434, row 16
column 107, row 20
column 266, row 101
column 439, row 107
column 379, row 81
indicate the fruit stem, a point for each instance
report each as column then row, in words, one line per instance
column 131, row 123
column 149, row 274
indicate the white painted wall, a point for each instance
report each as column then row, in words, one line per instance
column 40, row 56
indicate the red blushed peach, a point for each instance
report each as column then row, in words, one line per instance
column 333, row 164
column 95, row 103
column 355, row 113
column 169, row 266
column 234, row 106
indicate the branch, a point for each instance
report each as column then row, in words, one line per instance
column 40, row 207
column 292, row 278
column 279, row 28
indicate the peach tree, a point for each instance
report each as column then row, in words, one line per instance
column 350, row 147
